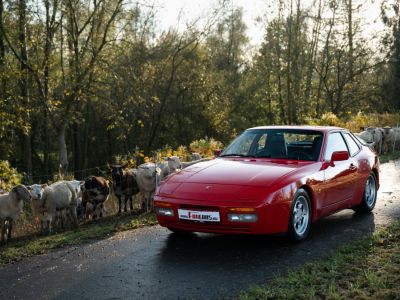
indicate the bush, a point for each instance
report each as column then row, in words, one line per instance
column 9, row 176
column 357, row 122
column 205, row 146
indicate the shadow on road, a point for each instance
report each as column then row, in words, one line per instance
column 229, row 251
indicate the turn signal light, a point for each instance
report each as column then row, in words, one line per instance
column 162, row 204
column 241, row 209
column 251, row 218
column 168, row 212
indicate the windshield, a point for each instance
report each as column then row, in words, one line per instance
column 277, row 143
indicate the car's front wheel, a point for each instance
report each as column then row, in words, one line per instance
column 369, row 197
column 300, row 216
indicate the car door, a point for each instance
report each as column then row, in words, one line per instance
column 357, row 177
column 338, row 177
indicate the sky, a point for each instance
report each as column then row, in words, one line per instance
column 170, row 11
column 191, row 9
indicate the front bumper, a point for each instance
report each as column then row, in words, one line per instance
column 272, row 218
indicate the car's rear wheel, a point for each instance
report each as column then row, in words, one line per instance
column 369, row 197
column 300, row 216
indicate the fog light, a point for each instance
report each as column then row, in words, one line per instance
column 163, row 211
column 242, row 217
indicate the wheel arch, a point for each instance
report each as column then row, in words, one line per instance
column 376, row 173
column 310, row 193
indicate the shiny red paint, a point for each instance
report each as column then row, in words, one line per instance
column 268, row 185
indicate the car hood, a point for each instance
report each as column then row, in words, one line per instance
column 226, row 178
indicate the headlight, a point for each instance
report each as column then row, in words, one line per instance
column 164, row 211
column 242, row 218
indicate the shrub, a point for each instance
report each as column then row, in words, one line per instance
column 9, row 176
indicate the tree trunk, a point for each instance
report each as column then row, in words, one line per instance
column 24, row 88
column 279, row 72
column 76, row 149
column 86, row 137
column 288, row 65
column 63, row 153
column 350, row 37
column 312, row 62
column 3, row 81
column 46, row 145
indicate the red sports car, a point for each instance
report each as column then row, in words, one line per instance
column 272, row 179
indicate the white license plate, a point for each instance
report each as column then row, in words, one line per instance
column 198, row 215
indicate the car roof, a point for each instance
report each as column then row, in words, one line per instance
column 300, row 127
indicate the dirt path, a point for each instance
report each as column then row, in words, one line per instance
column 151, row 263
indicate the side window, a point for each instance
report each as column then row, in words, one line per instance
column 353, row 147
column 335, row 143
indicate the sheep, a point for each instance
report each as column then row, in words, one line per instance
column 57, row 197
column 76, row 184
column 36, row 191
column 366, row 137
column 377, row 137
column 11, row 205
column 391, row 138
column 195, row 156
column 175, row 163
column 147, row 175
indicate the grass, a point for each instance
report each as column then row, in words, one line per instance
column 365, row 269
column 32, row 245
column 384, row 158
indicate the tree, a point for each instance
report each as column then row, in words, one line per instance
column 391, row 43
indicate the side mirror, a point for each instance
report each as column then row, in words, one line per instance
column 218, row 152
column 339, row 156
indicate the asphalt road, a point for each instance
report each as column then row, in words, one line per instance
column 152, row 263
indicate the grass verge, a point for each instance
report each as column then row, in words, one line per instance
column 23, row 247
column 384, row 158
column 365, row 269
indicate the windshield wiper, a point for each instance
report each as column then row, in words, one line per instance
column 236, row 154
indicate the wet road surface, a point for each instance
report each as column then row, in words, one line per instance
column 152, row 263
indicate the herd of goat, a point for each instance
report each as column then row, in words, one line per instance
column 75, row 199
column 383, row 140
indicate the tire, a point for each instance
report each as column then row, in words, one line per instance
column 300, row 216
column 369, row 196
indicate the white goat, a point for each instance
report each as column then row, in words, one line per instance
column 147, row 175
column 57, row 197
column 36, row 190
column 377, row 137
column 76, row 184
column 11, row 205
column 175, row 163
column 195, row 156
column 391, row 138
